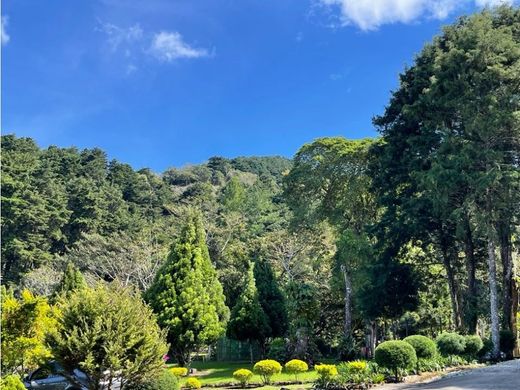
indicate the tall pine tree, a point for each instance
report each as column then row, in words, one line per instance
column 186, row 294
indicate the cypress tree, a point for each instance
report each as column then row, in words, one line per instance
column 186, row 294
column 72, row 280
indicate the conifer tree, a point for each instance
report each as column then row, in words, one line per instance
column 72, row 280
column 248, row 320
column 186, row 294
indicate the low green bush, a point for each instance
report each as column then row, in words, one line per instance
column 473, row 345
column 296, row 367
column 166, row 380
column 358, row 372
column 451, row 344
column 397, row 356
column 425, row 347
column 266, row 369
column 11, row 382
column 326, row 371
column 192, row 383
column 433, row 364
column 243, row 376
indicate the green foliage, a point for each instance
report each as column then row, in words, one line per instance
column 243, row 376
column 165, row 380
column 507, row 342
column 11, row 382
column 277, row 349
column 179, row 371
column 192, row 383
column 395, row 355
column 296, row 367
column 358, row 372
column 473, row 345
column 451, row 344
column 186, row 294
column 248, row 320
column 425, row 347
column 72, row 280
column 326, row 371
column 266, row 369
column 108, row 328
column 25, row 324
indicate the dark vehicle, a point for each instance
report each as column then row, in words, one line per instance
column 54, row 377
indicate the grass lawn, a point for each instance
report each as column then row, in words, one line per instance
column 214, row 373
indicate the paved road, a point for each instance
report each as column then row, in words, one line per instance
column 502, row 376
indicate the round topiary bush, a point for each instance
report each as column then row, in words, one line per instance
column 266, row 369
column 451, row 344
column 179, row 371
column 395, row 355
column 473, row 345
column 192, row 384
column 425, row 347
column 243, row 376
column 296, row 367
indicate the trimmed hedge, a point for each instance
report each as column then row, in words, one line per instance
column 451, row 344
column 425, row 347
column 266, row 369
column 243, row 376
column 473, row 345
column 395, row 355
column 295, row 367
column 192, row 383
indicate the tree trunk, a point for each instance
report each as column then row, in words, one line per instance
column 471, row 316
column 453, row 286
column 504, row 234
column 347, row 325
column 493, row 299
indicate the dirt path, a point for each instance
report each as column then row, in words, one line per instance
column 502, row 376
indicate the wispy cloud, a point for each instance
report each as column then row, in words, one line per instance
column 371, row 14
column 5, row 38
column 169, row 46
column 118, row 36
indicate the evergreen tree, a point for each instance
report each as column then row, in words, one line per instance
column 186, row 294
column 248, row 319
column 271, row 298
column 72, row 280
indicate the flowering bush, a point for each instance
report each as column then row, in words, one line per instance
column 295, row 367
column 192, row 383
column 266, row 369
column 179, row 371
column 243, row 376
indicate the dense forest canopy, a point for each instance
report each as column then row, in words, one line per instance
column 348, row 243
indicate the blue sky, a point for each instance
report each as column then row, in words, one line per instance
column 161, row 83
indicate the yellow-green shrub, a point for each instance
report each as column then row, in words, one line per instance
column 179, row 371
column 326, row 371
column 266, row 369
column 192, row 383
column 357, row 365
column 295, row 367
column 11, row 382
column 243, row 376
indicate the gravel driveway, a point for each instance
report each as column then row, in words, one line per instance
column 502, row 376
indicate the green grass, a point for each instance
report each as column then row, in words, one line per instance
column 214, row 373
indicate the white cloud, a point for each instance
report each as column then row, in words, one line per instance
column 4, row 36
column 169, row 46
column 371, row 14
column 117, row 36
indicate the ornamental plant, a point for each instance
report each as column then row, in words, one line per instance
column 243, row 376
column 326, row 371
column 266, row 369
column 356, row 372
column 425, row 347
column 473, row 345
column 296, row 367
column 396, row 355
column 451, row 344
column 192, row 383
column 179, row 371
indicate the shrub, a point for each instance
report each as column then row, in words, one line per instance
column 425, row 347
column 11, row 382
column 192, row 383
column 243, row 376
column 166, row 380
column 356, row 372
column 295, row 367
column 451, row 344
column 507, row 342
column 396, row 356
column 179, row 371
column 277, row 350
column 266, row 369
column 473, row 345
column 326, row 371
column 435, row 364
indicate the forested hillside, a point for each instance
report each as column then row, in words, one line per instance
column 349, row 243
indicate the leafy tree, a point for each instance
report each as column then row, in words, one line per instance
column 186, row 294
column 72, row 280
column 108, row 329
column 248, row 320
column 25, row 323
